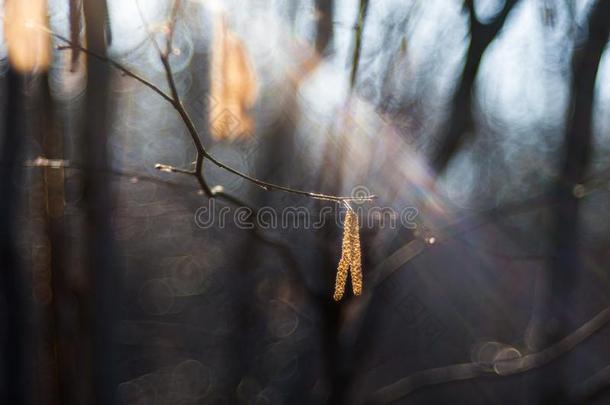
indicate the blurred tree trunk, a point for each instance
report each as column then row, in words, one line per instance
column 324, row 32
column 100, row 241
column 459, row 122
column 14, row 358
column 565, row 263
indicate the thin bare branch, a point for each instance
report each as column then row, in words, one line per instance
column 271, row 187
column 174, row 100
column 171, row 169
column 116, row 65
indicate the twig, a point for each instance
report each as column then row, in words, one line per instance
column 202, row 153
column 116, row 65
column 172, row 169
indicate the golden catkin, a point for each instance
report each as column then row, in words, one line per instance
column 350, row 257
column 26, row 35
column 341, row 279
column 345, row 261
column 233, row 85
column 356, row 259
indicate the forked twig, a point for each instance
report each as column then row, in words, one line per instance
column 202, row 153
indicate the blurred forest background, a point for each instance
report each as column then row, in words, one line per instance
column 490, row 117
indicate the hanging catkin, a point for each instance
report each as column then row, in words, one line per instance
column 26, row 35
column 232, row 85
column 355, row 255
column 350, row 257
